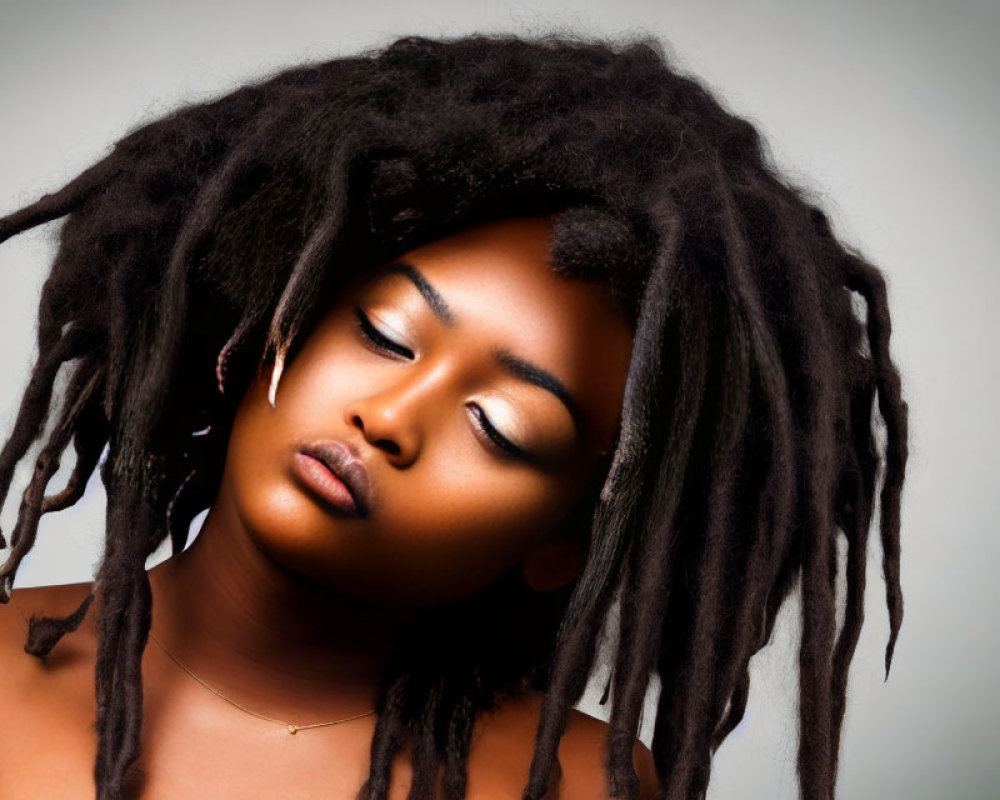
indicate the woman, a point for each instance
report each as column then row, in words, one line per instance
column 460, row 342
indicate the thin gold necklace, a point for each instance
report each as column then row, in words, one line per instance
column 292, row 729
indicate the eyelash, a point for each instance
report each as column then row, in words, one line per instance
column 381, row 342
column 496, row 438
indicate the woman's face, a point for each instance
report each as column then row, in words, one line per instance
column 477, row 389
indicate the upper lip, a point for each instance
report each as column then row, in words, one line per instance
column 343, row 462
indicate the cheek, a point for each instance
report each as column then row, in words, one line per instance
column 447, row 542
column 433, row 544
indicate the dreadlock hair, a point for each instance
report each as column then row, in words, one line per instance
column 762, row 410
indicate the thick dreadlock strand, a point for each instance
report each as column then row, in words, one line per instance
column 389, row 737
column 453, row 732
column 89, row 442
column 772, row 528
column 870, row 284
column 686, row 354
column 44, row 632
column 58, row 204
column 566, row 682
column 26, row 527
column 123, row 619
column 815, row 756
column 653, row 589
column 138, row 622
column 34, row 410
column 680, row 677
column 736, row 708
column 748, row 630
column 637, row 641
column 703, row 675
column 425, row 762
column 460, row 729
column 855, row 524
column 89, row 434
column 819, row 462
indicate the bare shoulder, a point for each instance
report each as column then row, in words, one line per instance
column 582, row 755
column 21, row 674
column 509, row 739
column 16, row 665
column 47, row 703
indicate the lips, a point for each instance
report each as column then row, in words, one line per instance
column 348, row 469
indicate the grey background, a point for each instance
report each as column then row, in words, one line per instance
column 884, row 109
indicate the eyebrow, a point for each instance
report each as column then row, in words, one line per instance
column 514, row 365
column 527, row 371
column 430, row 294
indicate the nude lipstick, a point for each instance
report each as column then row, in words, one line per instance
column 335, row 474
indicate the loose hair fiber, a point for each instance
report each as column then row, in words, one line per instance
column 747, row 443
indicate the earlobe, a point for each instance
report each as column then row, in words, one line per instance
column 552, row 564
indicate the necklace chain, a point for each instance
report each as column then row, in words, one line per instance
column 292, row 729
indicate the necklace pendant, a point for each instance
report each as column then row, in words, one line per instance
column 292, row 729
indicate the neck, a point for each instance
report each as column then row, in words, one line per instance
column 261, row 634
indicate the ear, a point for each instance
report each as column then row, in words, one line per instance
column 552, row 564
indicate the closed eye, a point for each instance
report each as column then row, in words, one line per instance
column 378, row 339
column 497, row 439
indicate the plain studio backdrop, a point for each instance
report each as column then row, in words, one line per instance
column 883, row 110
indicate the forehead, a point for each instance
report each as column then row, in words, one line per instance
column 498, row 282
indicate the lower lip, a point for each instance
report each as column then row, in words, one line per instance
column 318, row 477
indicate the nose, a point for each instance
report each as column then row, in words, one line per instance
column 394, row 418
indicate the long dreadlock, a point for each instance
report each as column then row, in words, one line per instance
column 747, row 443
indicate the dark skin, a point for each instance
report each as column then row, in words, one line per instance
column 299, row 603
